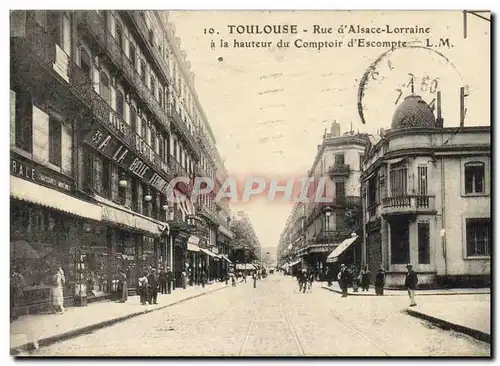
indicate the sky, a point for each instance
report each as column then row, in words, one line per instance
column 269, row 107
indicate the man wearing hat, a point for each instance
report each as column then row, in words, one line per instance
column 343, row 278
column 153, row 282
column 411, row 283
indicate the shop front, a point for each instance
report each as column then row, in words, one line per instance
column 135, row 241
column 49, row 228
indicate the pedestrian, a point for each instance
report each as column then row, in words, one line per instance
column 343, row 278
column 254, row 278
column 244, row 277
column 356, row 278
column 162, row 277
column 170, row 279
column 143, row 288
column 226, row 278
column 233, row 279
column 56, row 292
column 365, row 279
column 311, row 278
column 411, row 283
column 303, row 280
column 204, row 278
column 17, row 285
column 153, row 282
column 123, row 286
column 184, row 279
column 380, row 282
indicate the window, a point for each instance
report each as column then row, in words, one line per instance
column 153, row 138
column 478, row 234
column 133, row 118
column 104, row 89
column 120, row 108
column 106, row 178
column 55, row 132
column 135, row 194
column 399, row 180
column 132, row 55
column 41, row 17
column 340, row 190
column 161, row 145
column 153, row 85
column 160, row 97
column 24, row 122
column 143, row 71
column 422, row 180
column 400, row 242
column 85, row 62
column 119, row 35
column 60, row 32
column 474, row 178
column 339, row 159
column 423, row 243
column 143, row 129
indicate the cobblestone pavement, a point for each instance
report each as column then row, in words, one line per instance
column 274, row 320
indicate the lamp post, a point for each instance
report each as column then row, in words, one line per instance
column 328, row 213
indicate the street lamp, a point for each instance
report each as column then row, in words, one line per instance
column 328, row 213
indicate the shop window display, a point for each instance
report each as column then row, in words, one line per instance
column 125, row 257
column 39, row 244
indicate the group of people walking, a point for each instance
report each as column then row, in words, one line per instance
column 152, row 282
column 349, row 276
column 255, row 274
column 305, row 279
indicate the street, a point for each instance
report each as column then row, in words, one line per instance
column 274, row 319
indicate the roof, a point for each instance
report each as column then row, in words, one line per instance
column 413, row 112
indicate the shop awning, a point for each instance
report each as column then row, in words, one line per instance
column 333, row 256
column 226, row 232
column 193, row 247
column 226, row 258
column 23, row 190
column 119, row 215
column 294, row 263
column 209, row 253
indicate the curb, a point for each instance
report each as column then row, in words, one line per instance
column 477, row 334
column 403, row 293
column 44, row 342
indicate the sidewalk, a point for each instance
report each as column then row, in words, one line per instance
column 33, row 331
column 371, row 292
column 469, row 313
column 468, row 316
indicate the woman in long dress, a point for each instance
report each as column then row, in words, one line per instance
column 56, row 293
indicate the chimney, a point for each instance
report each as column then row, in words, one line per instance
column 335, row 129
column 439, row 118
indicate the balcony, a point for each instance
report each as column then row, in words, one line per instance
column 144, row 33
column 331, row 236
column 341, row 202
column 110, row 118
column 95, row 25
column 208, row 213
column 340, row 170
column 408, row 205
column 181, row 127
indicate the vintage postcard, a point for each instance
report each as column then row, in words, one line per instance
column 250, row 183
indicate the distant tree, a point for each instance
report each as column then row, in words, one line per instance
column 246, row 246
